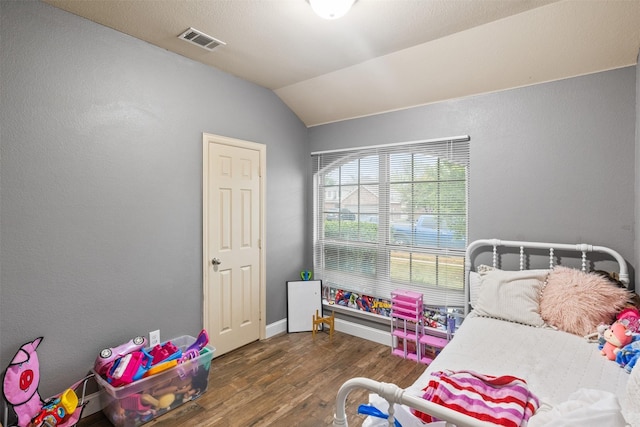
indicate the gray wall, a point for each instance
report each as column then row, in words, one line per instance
column 101, row 186
column 552, row 162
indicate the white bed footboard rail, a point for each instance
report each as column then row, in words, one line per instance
column 394, row 394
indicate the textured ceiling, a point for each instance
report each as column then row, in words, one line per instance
column 385, row 54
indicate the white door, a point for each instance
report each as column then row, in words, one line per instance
column 233, row 238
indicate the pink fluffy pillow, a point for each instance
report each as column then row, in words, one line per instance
column 577, row 302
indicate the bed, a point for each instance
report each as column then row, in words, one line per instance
column 504, row 334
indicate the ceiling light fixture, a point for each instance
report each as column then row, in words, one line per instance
column 331, row 9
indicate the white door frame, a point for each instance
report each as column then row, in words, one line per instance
column 262, row 149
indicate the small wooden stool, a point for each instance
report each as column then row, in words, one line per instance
column 317, row 321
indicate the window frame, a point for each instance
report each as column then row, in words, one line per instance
column 383, row 247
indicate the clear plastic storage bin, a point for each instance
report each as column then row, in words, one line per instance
column 146, row 399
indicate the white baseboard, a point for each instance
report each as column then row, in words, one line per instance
column 344, row 326
column 362, row 331
column 276, row 328
column 93, row 404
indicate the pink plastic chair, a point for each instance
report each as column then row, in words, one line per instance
column 20, row 390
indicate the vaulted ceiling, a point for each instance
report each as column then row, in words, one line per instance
column 385, row 55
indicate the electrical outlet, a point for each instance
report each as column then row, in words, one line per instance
column 154, row 338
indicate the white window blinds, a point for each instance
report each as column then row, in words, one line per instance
column 393, row 216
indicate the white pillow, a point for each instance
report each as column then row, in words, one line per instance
column 512, row 296
column 475, row 282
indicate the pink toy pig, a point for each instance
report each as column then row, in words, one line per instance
column 21, row 380
column 616, row 337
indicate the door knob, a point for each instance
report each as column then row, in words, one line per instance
column 216, row 261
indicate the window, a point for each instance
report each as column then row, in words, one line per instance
column 393, row 216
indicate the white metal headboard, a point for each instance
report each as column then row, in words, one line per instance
column 551, row 247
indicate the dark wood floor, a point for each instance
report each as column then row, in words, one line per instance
column 287, row 380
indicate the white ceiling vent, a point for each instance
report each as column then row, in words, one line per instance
column 200, row 39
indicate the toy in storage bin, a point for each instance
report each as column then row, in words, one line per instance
column 146, row 399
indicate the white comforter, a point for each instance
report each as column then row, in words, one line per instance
column 555, row 364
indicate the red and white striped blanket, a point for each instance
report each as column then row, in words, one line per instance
column 504, row 400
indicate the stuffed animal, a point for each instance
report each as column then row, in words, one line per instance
column 616, row 337
column 628, row 355
column 630, row 317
